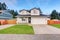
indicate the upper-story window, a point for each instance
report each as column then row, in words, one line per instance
column 35, row 11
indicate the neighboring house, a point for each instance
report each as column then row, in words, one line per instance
column 4, row 14
column 33, row 17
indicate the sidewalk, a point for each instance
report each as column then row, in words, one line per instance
column 5, row 26
column 29, row 37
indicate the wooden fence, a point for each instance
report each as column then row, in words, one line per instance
column 53, row 22
column 3, row 22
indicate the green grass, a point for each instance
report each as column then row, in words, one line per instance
column 18, row 29
column 56, row 25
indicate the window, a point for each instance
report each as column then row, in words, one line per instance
column 34, row 11
column 23, row 19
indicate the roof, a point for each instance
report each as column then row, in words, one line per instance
column 1, row 17
column 35, row 8
column 5, row 14
column 30, row 9
column 24, row 10
column 30, row 16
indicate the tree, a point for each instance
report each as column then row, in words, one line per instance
column 0, row 6
column 4, row 6
column 54, row 15
column 14, row 13
column 59, row 16
column 40, row 10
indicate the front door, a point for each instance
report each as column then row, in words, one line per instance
column 29, row 20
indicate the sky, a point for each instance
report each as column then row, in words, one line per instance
column 46, row 6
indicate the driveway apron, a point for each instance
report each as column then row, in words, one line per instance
column 45, row 29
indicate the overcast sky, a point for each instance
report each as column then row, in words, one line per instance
column 45, row 5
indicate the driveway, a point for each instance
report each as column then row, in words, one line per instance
column 45, row 29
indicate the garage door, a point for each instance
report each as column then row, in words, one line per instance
column 38, row 20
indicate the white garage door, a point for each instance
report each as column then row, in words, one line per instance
column 39, row 20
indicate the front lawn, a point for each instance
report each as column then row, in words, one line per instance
column 56, row 25
column 18, row 29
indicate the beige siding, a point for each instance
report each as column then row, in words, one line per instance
column 35, row 12
column 24, row 12
column 19, row 20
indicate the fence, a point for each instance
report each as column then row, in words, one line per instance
column 53, row 21
column 11, row 21
column 3, row 22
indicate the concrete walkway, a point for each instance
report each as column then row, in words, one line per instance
column 5, row 26
column 45, row 29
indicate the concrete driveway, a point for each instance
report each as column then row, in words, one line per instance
column 45, row 29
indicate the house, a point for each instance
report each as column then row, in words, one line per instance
column 33, row 17
column 4, row 14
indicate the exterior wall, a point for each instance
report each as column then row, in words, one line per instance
column 19, row 20
column 39, row 20
column 35, row 12
column 24, row 12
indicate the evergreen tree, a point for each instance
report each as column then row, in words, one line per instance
column 0, row 6
column 14, row 13
column 54, row 15
column 4, row 6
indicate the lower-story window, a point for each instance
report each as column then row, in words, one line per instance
column 23, row 19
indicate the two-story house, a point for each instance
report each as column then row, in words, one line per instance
column 33, row 17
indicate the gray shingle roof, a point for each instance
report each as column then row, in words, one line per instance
column 5, row 15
